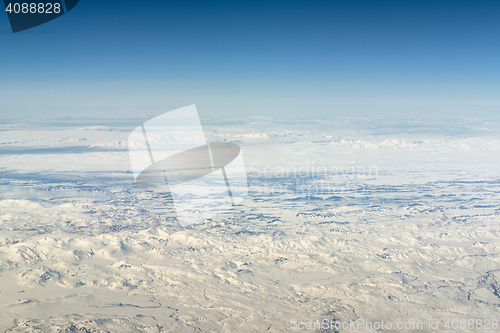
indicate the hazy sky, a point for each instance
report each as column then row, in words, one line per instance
column 408, row 58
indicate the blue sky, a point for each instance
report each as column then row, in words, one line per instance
column 361, row 58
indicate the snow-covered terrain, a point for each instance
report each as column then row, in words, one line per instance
column 374, row 219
